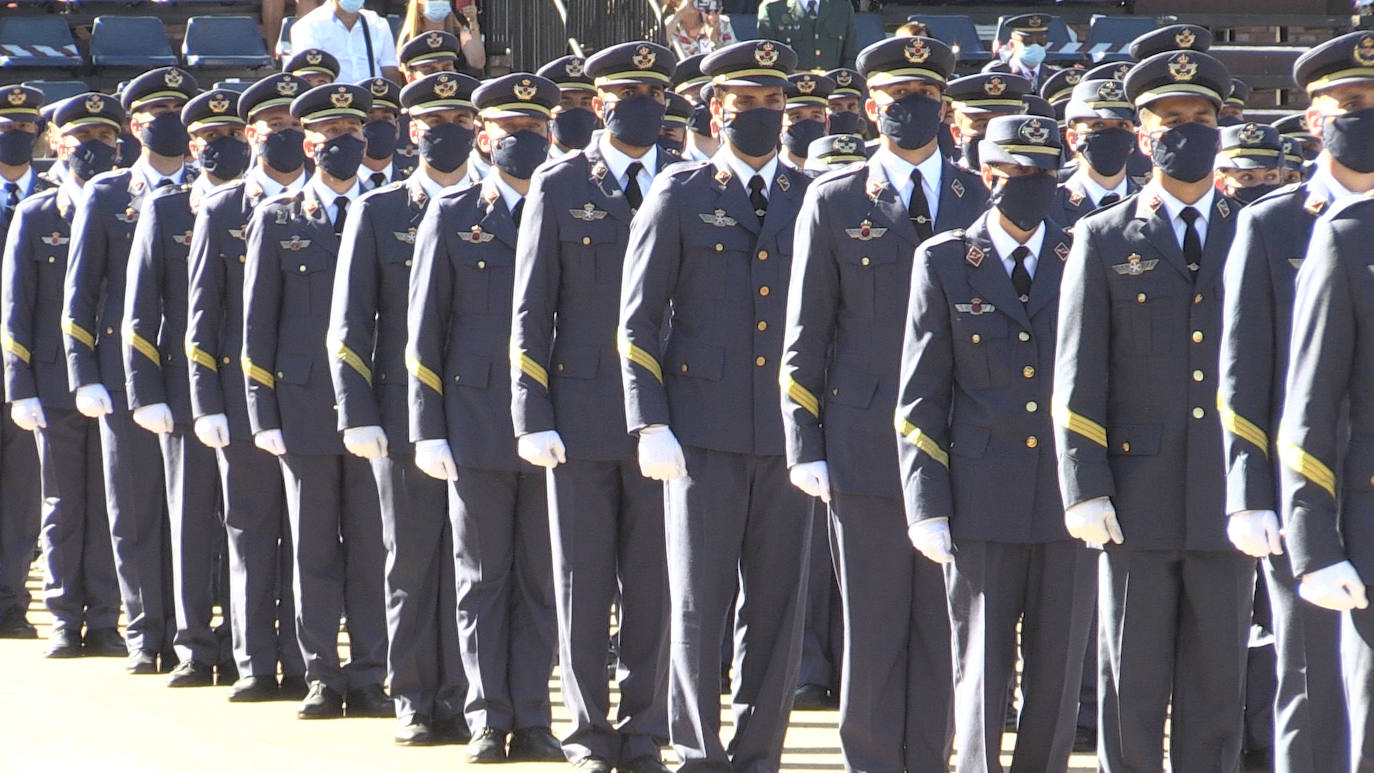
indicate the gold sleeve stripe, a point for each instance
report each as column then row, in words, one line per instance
column 427, row 377
column 17, row 349
column 640, row 357
column 259, row 374
column 201, row 357
column 530, row 368
column 1309, row 467
column 144, row 346
column 803, row 397
column 78, row 332
column 1080, row 425
column 923, row 442
column 1242, row 427
column 352, row 360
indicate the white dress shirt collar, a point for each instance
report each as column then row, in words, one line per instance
column 152, row 177
column 271, row 187
column 1095, row 190
column 619, row 163
column 1173, row 207
column 1324, row 178
column 1005, row 244
column 508, row 194
column 724, row 157
column 427, row 183
column 899, row 170
column 327, row 195
column 24, row 183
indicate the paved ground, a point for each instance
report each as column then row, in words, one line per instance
column 87, row 713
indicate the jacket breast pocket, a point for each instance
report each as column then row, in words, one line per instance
column 590, row 257
column 1134, row 439
column 471, row 370
column 475, row 276
column 307, row 281
column 693, row 359
column 862, row 269
column 979, row 341
column 1141, row 311
column 395, row 267
column 706, row 262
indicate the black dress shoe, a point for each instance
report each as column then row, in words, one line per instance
column 167, row 661
column 254, row 689
column 648, row 763
column 293, row 688
column 592, row 765
column 415, row 731
column 487, row 746
column 322, row 702
column 106, row 643
column 141, row 662
column 192, row 673
column 1084, row 740
column 64, row 643
column 811, row 697
column 534, row 744
column 452, row 730
column 14, row 624
column 370, row 701
column 226, row 674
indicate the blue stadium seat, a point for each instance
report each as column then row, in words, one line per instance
column 868, row 28
column 224, row 41
column 1110, row 36
column 130, row 41
column 37, row 41
column 957, row 32
column 395, row 21
column 56, row 91
column 283, row 50
column 1063, row 49
column 745, row 25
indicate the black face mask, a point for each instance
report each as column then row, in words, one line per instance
column 753, row 132
column 911, row 121
column 636, row 121
column 1026, row 200
column 700, row 122
column 446, row 146
column 519, row 154
column 1350, row 139
column 340, row 157
column 1106, row 150
column 846, row 123
column 668, row 143
column 968, row 151
column 226, row 157
column 1186, row 152
column 380, row 137
column 16, row 147
column 284, row 150
column 573, row 128
column 1230, row 120
column 1254, row 192
column 91, row 158
column 165, row 136
column 128, row 150
column 798, row 136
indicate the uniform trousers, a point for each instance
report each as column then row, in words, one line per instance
column 340, row 566
column 423, row 660
column 734, row 522
column 1048, row 589
column 823, row 639
column 262, row 599
column 19, row 513
column 134, row 501
column 506, row 618
column 79, row 582
column 897, row 689
column 1172, row 624
column 606, row 532
column 193, row 512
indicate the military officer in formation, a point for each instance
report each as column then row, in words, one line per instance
column 975, row 100
column 573, row 118
column 1250, row 161
column 806, row 118
column 383, row 163
column 1028, row 37
column 1101, row 131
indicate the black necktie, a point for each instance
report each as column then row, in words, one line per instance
column 632, row 192
column 1192, row 242
column 1020, row 277
column 1110, row 198
column 165, row 182
column 812, row 8
column 11, row 195
column 756, row 197
column 378, row 180
column 341, row 211
column 517, row 212
column 918, row 209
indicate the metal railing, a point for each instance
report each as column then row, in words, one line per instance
column 537, row 31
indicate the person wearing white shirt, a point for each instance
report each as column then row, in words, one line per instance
column 359, row 38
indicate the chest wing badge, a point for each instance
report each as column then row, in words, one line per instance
column 129, row 215
column 975, row 307
column 237, row 233
column 182, row 238
column 476, row 236
column 405, row 237
column 1134, row 266
column 295, row 243
column 55, row 239
column 865, row 231
column 718, row 219
column 587, row 213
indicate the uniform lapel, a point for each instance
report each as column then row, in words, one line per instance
column 605, row 188
column 1049, row 268
column 987, row 276
column 887, row 210
column 1152, row 219
column 783, row 195
column 317, row 213
column 418, row 199
column 731, row 198
column 951, row 198
column 496, row 218
column 1221, row 227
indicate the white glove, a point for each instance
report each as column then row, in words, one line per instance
column 660, row 455
column 156, row 418
column 367, row 442
column 1093, row 521
column 813, row 478
column 1255, row 532
column 1337, row 587
column 271, row 441
column 28, row 414
column 93, row 401
column 435, row 459
column 213, row 430
column 931, row 537
column 542, row 449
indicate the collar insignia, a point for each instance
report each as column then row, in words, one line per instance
column 865, row 231
column 974, row 256
column 491, row 196
column 587, row 213
column 599, row 171
column 1061, row 251
column 1154, row 203
column 1223, row 208
column 311, row 206
column 1076, row 198
column 784, row 183
column 255, row 191
column 722, row 176
column 975, row 307
column 1134, row 266
column 476, row 235
column 129, row 215
column 718, row 219
column 958, row 188
column 294, row 244
column 1315, row 204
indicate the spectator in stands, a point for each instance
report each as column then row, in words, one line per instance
column 426, row 15
column 698, row 27
column 820, row 31
column 1027, row 41
column 361, row 39
column 273, row 11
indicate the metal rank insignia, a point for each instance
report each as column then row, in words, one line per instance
column 476, row 236
column 974, row 256
column 865, row 231
column 1223, row 208
column 182, row 238
column 1315, row 204
column 587, row 213
column 55, row 240
column 958, row 188
column 1076, row 198
column 294, row 244
column 718, row 219
column 129, row 215
column 784, row 183
column 1134, row 266
column 975, row 307
column 311, row 207
column 1061, row 251
column 405, row 237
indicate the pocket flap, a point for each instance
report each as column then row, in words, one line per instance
column 968, row 440
column 1134, row 440
column 472, row 370
column 576, row 361
column 293, row 369
column 852, row 387
column 695, row 360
